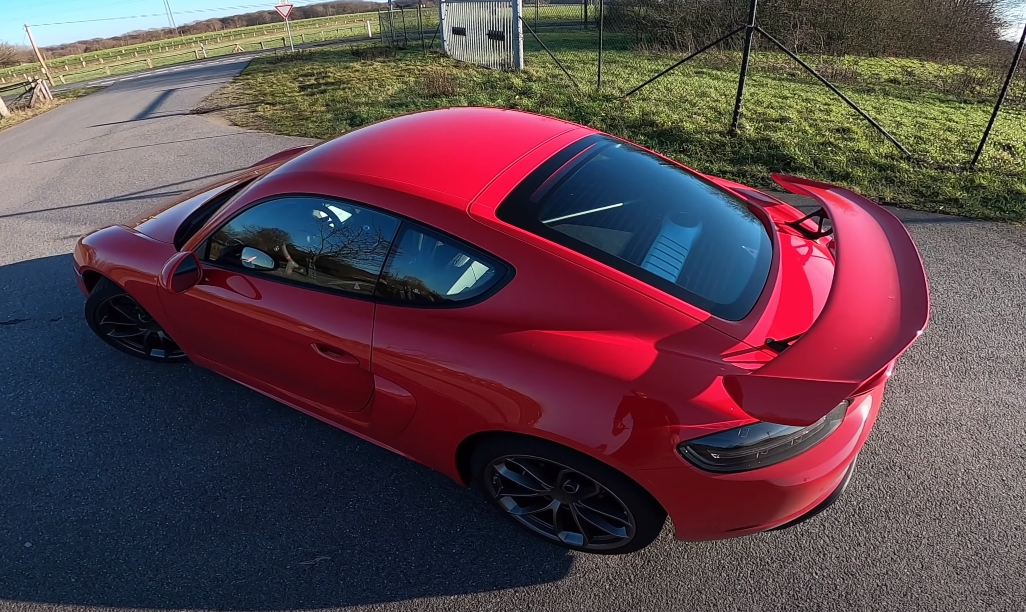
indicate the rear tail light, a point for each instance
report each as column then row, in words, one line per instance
column 760, row 444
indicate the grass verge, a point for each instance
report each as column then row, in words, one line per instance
column 22, row 115
column 791, row 125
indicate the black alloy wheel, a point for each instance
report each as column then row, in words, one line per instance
column 120, row 321
column 559, row 503
column 571, row 500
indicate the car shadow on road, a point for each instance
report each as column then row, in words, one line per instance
column 131, row 484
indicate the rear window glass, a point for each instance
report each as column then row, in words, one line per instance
column 654, row 220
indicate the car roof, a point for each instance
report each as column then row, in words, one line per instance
column 456, row 151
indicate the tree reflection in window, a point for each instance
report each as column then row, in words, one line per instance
column 311, row 240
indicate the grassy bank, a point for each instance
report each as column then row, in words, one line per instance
column 791, row 125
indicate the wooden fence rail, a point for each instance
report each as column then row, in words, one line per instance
column 31, row 95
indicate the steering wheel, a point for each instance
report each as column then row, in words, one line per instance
column 332, row 216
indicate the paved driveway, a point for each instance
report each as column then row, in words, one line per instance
column 127, row 485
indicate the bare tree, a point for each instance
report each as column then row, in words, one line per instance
column 11, row 55
column 931, row 29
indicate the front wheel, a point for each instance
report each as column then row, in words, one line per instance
column 121, row 322
column 564, row 497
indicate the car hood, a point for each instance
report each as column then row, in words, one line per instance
column 163, row 220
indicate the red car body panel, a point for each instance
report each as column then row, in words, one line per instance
column 569, row 350
column 162, row 222
column 706, row 507
column 282, row 156
column 878, row 304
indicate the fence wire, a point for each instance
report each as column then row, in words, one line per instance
column 905, row 68
column 409, row 27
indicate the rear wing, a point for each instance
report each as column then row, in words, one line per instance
column 879, row 303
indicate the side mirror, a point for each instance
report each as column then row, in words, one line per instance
column 255, row 259
column 180, row 273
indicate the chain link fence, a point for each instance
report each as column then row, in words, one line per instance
column 414, row 26
column 894, row 69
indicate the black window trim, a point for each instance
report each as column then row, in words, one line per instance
column 521, row 206
column 404, row 221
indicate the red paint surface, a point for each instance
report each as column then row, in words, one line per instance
column 569, row 350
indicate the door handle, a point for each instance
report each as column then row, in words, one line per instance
column 335, row 354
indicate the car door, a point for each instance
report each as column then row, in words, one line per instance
column 286, row 300
column 432, row 336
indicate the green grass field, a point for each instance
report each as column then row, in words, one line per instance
column 121, row 60
column 132, row 58
column 790, row 124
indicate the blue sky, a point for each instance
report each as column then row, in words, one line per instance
column 16, row 13
column 19, row 12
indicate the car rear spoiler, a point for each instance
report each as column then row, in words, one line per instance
column 879, row 303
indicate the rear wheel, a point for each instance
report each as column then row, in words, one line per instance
column 564, row 497
column 121, row 322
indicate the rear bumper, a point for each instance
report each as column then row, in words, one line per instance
column 708, row 506
column 823, row 505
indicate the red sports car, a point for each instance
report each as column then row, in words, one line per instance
column 595, row 335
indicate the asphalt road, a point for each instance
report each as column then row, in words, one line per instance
column 129, row 485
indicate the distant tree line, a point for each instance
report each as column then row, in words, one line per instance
column 11, row 55
column 929, row 29
column 215, row 24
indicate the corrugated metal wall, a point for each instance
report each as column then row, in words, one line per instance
column 483, row 32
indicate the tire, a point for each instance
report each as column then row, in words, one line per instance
column 117, row 319
column 565, row 497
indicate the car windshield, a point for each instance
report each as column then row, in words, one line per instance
column 650, row 218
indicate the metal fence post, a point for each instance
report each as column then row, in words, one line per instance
column 442, row 28
column 518, row 34
column 601, row 29
column 745, row 56
column 406, row 37
column 391, row 23
column 420, row 25
column 1001, row 99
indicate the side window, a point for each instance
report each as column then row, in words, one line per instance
column 316, row 241
column 429, row 269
